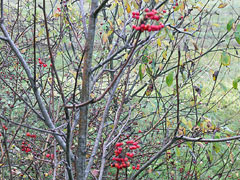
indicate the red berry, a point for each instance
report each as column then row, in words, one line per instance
column 33, row 136
column 133, row 167
column 28, row 150
column 176, row 4
column 174, row 7
column 28, row 134
column 154, row 11
column 135, row 143
column 48, row 155
column 142, row 26
column 117, row 165
column 164, row 11
column 147, row 10
column 138, row 28
column 156, row 18
column 134, row 26
column 150, row 14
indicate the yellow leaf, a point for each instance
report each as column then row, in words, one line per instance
column 105, row 37
column 184, row 121
column 126, row 55
column 159, row 42
column 182, row 7
column 164, row 54
column 128, row 8
column 110, row 22
column 216, row 25
column 92, row 95
column 160, row 66
column 109, row 32
column 119, row 22
column 222, row 5
column 189, row 125
column 146, row 1
column 23, row 51
column 193, row 28
column 201, row 3
column 113, row 5
column 168, row 122
column 156, row 1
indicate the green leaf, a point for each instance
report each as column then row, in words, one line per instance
column 237, row 34
column 140, row 72
column 171, row 36
column 216, row 147
column 230, row 25
column 169, row 79
column 149, row 71
column 225, row 59
column 235, row 83
column 189, row 144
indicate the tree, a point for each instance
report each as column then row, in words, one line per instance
column 119, row 89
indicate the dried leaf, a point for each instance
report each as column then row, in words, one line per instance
column 128, row 8
column 222, row 5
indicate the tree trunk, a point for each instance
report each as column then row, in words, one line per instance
column 83, row 117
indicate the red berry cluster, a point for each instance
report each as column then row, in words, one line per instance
column 121, row 157
column 176, row 4
column 41, row 63
column 4, row 127
column 26, row 147
column 50, row 156
column 31, row 135
column 148, row 15
column 135, row 15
